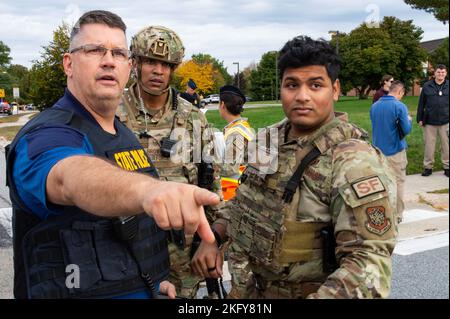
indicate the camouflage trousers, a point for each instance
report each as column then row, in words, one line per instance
column 185, row 281
column 240, row 273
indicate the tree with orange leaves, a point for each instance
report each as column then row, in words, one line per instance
column 202, row 74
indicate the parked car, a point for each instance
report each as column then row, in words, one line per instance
column 213, row 98
column 29, row 106
column 5, row 108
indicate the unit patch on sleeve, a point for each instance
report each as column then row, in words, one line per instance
column 369, row 186
column 377, row 222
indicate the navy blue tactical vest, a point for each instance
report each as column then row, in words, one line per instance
column 45, row 251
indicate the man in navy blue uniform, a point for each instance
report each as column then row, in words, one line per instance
column 83, row 190
column 190, row 95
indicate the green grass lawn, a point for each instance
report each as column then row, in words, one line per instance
column 10, row 118
column 9, row 132
column 358, row 112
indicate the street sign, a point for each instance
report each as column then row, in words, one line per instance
column 2, row 92
column 16, row 93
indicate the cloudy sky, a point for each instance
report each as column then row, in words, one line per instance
column 230, row 30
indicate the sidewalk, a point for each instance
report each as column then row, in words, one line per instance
column 21, row 121
column 426, row 213
column 418, row 187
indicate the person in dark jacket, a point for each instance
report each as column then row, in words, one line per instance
column 190, row 95
column 386, row 82
column 432, row 116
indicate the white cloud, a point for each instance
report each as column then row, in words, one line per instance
column 230, row 30
column 73, row 12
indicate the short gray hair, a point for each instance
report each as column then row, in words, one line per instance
column 108, row 18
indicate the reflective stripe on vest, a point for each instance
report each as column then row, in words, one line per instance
column 240, row 127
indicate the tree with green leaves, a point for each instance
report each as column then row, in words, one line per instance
column 5, row 78
column 6, row 83
column 19, row 77
column 439, row 8
column 440, row 55
column 5, row 59
column 11, row 75
column 47, row 74
column 369, row 53
column 242, row 85
column 245, row 78
column 263, row 79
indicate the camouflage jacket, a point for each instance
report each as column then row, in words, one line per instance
column 186, row 125
column 348, row 187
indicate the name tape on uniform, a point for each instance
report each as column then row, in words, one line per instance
column 369, row 186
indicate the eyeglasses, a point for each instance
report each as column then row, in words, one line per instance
column 99, row 51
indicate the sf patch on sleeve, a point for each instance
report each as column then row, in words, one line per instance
column 368, row 187
column 371, row 205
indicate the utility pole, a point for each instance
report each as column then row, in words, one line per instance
column 335, row 33
column 238, row 79
column 276, row 77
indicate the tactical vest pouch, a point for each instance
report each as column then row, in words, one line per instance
column 114, row 260
column 167, row 146
column 78, row 248
column 300, row 232
column 106, row 267
column 257, row 234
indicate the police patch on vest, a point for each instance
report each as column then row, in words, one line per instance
column 369, row 186
column 377, row 222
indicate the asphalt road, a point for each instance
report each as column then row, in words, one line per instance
column 421, row 276
column 4, row 194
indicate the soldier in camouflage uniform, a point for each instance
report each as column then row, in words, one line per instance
column 322, row 224
column 170, row 128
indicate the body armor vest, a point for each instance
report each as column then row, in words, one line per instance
column 45, row 251
column 180, row 116
column 267, row 227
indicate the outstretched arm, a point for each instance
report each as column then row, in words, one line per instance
column 100, row 188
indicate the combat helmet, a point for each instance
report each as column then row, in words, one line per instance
column 158, row 43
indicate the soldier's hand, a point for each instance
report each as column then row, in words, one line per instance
column 180, row 206
column 207, row 261
column 167, row 288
